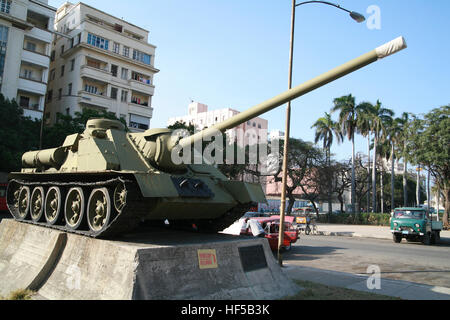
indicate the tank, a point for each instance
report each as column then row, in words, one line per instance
column 104, row 182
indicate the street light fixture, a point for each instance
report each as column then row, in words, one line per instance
column 358, row 18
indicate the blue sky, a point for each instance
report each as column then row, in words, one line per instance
column 235, row 53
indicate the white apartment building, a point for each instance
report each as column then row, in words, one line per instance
column 198, row 115
column 26, row 28
column 101, row 63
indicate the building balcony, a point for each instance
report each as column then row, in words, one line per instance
column 35, row 58
column 142, row 87
column 96, row 73
column 141, row 110
column 40, row 34
column 96, row 100
column 32, row 86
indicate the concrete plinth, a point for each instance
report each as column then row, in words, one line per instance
column 153, row 265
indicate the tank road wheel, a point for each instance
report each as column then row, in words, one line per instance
column 120, row 197
column 74, row 208
column 37, row 204
column 24, row 203
column 99, row 210
column 52, row 207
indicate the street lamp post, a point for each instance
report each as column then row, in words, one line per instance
column 358, row 18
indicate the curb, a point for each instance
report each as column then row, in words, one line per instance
column 351, row 235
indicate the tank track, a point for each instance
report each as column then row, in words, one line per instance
column 121, row 222
column 129, row 217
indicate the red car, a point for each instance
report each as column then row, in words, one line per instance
column 271, row 228
column 3, row 206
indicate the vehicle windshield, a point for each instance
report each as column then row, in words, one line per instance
column 407, row 214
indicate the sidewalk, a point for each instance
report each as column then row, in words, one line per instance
column 394, row 288
column 364, row 231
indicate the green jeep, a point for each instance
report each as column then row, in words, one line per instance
column 415, row 224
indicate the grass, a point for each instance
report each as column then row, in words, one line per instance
column 315, row 291
column 19, row 295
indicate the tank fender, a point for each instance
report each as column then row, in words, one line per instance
column 156, row 186
column 245, row 192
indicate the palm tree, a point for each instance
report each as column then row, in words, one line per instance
column 380, row 117
column 326, row 130
column 348, row 116
column 394, row 134
column 364, row 123
column 404, row 126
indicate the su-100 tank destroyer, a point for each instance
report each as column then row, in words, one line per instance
column 105, row 181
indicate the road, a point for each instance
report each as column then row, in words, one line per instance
column 406, row 261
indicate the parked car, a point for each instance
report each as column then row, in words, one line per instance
column 3, row 206
column 271, row 227
column 256, row 215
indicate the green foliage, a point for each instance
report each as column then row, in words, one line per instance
column 17, row 134
column 372, row 219
column 20, row 134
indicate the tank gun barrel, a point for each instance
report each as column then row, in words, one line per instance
column 381, row 52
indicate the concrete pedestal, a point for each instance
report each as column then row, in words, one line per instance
column 154, row 264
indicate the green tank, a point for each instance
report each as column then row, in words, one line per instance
column 105, row 181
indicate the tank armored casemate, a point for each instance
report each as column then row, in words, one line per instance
column 104, row 182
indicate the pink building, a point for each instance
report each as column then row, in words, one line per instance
column 254, row 130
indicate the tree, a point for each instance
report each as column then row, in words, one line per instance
column 431, row 147
column 19, row 134
column 394, row 134
column 348, row 115
column 381, row 117
column 364, row 124
column 304, row 171
column 326, row 130
column 404, row 124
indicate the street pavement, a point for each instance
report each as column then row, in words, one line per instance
column 342, row 263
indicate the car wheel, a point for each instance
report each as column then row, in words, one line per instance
column 397, row 238
column 426, row 239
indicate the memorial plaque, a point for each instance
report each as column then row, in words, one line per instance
column 253, row 258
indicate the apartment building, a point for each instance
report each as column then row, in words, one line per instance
column 253, row 131
column 26, row 28
column 100, row 62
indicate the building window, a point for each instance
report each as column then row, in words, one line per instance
column 59, row 94
column 124, row 74
column 3, row 43
column 116, row 47
column 52, row 56
column 5, row 6
column 72, row 64
column 126, row 51
column 24, row 102
column 90, row 89
column 124, row 96
column 98, row 42
column 31, row 46
column 62, row 71
column 62, row 50
column 141, row 57
column 114, row 93
column 49, row 96
column 139, row 122
column 69, row 90
column 114, row 70
column 52, row 74
column 27, row 74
